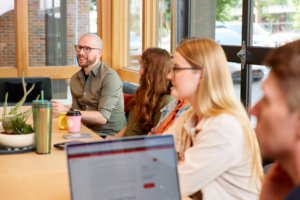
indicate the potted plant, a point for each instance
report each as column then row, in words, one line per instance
column 17, row 133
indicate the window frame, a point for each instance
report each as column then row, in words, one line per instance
column 254, row 54
column 112, row 20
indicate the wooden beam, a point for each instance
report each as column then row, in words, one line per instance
column 59, row 72
column 104, row 28
column 120, row 37
column 8, row 72
column 21, row 36
column 149, row 24
column 129, row 75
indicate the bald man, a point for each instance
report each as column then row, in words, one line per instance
column 96, row 90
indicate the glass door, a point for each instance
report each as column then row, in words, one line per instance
column 257, row 26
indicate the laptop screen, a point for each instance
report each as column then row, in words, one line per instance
column 133, row 168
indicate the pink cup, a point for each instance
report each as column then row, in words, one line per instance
column 74, row 120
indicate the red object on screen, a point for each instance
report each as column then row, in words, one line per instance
column 149, row 185
column 154, row 159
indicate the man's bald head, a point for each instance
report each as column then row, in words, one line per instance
column 95, row 38
column 89, row 58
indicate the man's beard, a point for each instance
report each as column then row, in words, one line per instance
column 88, row 63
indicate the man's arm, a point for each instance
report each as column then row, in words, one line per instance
column 93, row 117
column 120, row 134
column 110, row 94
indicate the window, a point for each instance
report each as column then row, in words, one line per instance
column 135, row 33
column 164, row 24
column 93, row 17
column 218, row 22
column 276, row 23
column 262, row 26
column 7, row 35
column 54, row 27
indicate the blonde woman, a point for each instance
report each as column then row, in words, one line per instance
column 218, row 153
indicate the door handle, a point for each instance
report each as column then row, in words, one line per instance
column 242, row 54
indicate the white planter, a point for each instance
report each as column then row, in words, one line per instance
column 16, row 141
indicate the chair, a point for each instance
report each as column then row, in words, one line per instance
column 128, row 91
column 46, row 82
column 129, row 88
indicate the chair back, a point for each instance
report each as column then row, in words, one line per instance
column 47, row 87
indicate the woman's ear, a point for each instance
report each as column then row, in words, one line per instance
column 200, row 77
column 201, row 73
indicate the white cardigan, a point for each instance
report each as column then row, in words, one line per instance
column 215, row 164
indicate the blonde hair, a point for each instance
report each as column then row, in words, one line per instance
column 216, row 93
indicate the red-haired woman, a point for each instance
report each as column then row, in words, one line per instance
column 152, row 95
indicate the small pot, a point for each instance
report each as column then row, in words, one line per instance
column 16, row 141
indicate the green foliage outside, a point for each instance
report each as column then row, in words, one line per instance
column 224, row 9
column 296, row 4
column 262, row 6
column 93, row 5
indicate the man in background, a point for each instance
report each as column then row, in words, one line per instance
column 96, row 90
column 278, row 123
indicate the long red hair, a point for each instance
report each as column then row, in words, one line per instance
column 156, row 63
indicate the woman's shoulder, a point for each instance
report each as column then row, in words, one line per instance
column 226, row 118
column 227, row 125
column 165, row 100
column 183, row 117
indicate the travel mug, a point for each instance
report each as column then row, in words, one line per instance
column 74, row 120
column 42, row 119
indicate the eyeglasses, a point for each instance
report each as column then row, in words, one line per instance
column 85, row 49
column 175, row 70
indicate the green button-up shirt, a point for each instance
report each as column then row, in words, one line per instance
column 102, row 92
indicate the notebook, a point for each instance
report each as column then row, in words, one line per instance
column 131, row 168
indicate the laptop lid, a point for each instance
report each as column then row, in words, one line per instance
column 131, row 168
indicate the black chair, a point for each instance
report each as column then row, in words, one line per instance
column 46, row 87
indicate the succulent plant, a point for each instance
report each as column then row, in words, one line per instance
column 19, row 125
column 14, row 122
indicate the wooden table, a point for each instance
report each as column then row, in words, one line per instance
column 41, row 177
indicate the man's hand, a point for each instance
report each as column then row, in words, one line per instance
column 58, row 107
column 277, row 184
column 109, row 137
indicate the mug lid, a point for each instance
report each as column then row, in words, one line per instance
column 73, row 113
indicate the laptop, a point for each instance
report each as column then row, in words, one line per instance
column 131, row 168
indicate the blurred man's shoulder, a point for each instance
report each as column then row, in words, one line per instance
column 294, row 194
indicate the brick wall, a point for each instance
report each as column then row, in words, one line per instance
column 7, row 39
column 37, row 32
column 83, row 24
